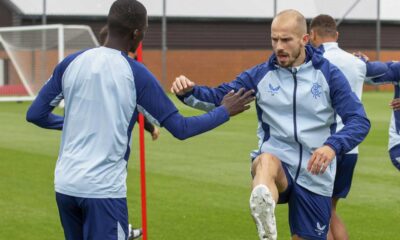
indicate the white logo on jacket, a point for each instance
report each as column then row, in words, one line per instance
column 320, row 229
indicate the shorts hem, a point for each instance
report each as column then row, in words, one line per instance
column 308, row 237
column 90, row 195
column 342, row 196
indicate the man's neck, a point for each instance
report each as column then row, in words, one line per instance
column 301, row 58
column 116, row 43
column 327, row 40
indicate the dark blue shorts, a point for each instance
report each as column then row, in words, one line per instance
column 309, row 213
column 344, row 175
column 395, row 156
column 93, row 218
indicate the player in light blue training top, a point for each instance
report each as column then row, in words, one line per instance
column 392, row 76
column 104, row 90
column 298, row 94
column 324, row 35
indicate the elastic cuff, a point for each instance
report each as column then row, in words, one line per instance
column 334, row 147
column 223, row 108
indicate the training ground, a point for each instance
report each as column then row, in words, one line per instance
column 198, row 189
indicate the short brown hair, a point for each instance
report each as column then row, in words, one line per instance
column 324, row 25
column 125, row 16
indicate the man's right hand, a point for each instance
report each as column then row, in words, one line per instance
column 395, row 104
column 237, row 102
column 361, row 56
column 182, row 85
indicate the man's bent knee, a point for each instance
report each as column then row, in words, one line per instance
column 269, row 166
column 266, row 163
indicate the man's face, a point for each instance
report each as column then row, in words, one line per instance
column 287, row 43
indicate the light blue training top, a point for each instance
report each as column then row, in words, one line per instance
column 296, row 109
column 103, row 91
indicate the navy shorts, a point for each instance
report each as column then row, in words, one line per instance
column 395, row 156
column 309, row 213
column 344, row 175
column 93, row 218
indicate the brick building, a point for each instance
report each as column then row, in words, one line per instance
column 212, row 41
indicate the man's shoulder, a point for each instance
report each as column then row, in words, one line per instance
column 346, row 62
column 258, row 72
column 66, row 62
column 328, row 66
column 343, row 57
column 74, row 55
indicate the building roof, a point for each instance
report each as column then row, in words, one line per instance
column 364, row 9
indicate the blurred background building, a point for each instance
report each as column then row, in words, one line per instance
column 211, row 41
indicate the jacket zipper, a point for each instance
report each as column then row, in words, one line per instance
column 294, row 72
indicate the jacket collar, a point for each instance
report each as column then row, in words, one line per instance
column 312, row 54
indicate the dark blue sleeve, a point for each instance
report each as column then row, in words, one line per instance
column 185, row 127
column 350, row 109
column 376, row 69
column 214, row 96
column 152, row 99
column 391, row 75
column 39, row 113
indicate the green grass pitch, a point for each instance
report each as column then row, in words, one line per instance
column 197, row 189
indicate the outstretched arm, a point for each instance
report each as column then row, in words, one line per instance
column 392, row 75
column 377, row 72
column 153, row 101
column 376, row 69
column 206, row 98
column 232, row 104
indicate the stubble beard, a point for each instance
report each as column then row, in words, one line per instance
column 290, row 62
column 296, row 56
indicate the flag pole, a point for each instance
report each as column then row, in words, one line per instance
column 142, row 161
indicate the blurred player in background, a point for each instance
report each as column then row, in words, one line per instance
column 324, row 36
column 104, row 90
column 392, row 76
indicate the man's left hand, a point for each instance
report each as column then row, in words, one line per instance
column 155, row 133
column 320, row 160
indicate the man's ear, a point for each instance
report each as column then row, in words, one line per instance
column 135, row 34
column 312, row 35
column 306, row 38
column 138, row 34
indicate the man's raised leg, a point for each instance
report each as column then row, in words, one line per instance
column 269, row 180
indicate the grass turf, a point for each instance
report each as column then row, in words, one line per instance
column 197, row 189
